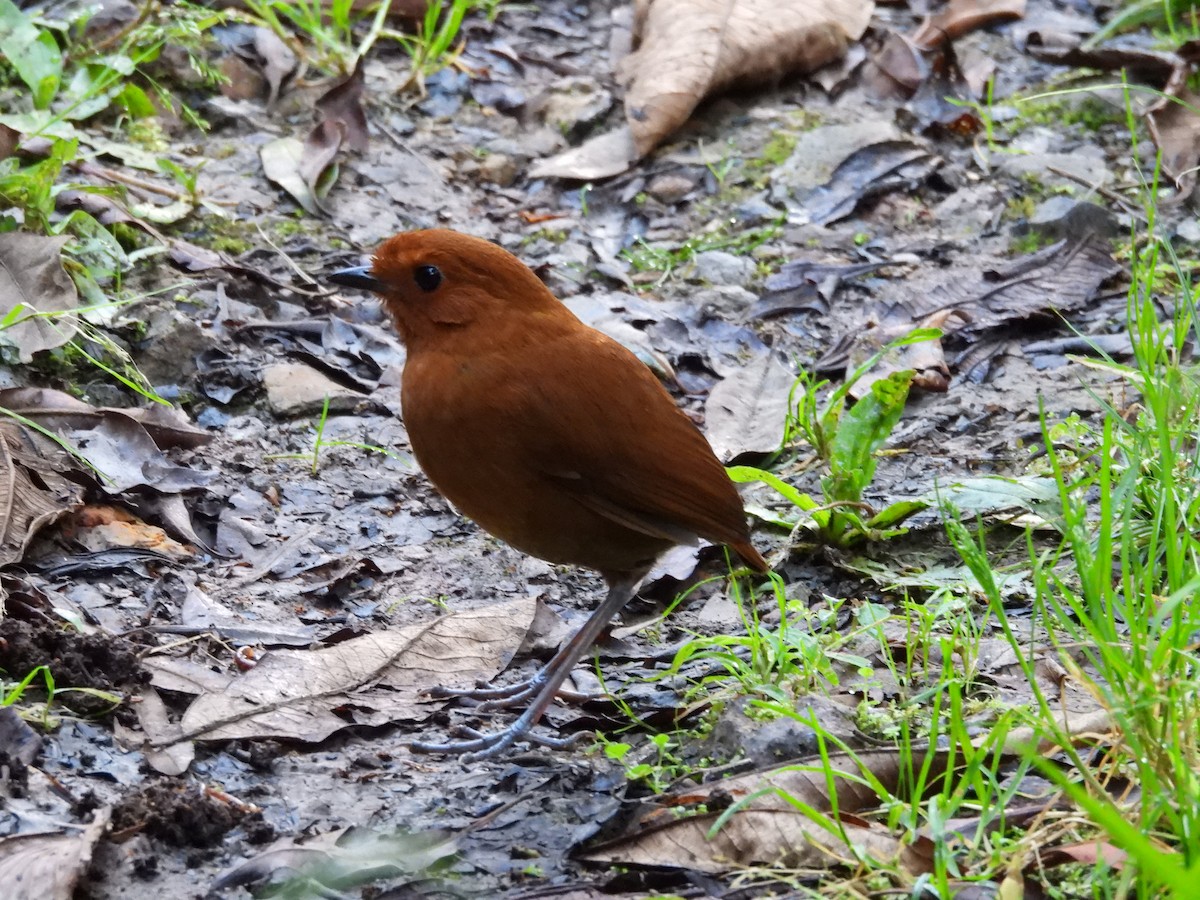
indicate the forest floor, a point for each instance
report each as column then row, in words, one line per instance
column 258, row 594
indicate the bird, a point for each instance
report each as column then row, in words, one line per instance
column 547, row 433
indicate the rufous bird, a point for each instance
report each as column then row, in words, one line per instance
column 546, row 432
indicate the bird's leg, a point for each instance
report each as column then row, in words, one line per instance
column 481, row 746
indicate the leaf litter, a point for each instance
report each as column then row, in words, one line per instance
column 306, row 625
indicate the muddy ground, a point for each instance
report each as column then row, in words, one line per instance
column 364, row 546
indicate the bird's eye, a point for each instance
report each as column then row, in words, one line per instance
column 427, row 278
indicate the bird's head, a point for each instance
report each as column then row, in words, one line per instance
column 438, row 282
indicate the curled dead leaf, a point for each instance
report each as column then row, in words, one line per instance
column 691, row 49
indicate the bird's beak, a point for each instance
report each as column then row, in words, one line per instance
column 356, row 277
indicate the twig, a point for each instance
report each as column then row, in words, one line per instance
column 1104, row 192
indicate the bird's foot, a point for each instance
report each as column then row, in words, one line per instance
column 508, row 695
column 484, row 745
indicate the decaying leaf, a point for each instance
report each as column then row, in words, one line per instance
column 300, row 167
column 343, row 858
column 767, row 829
column 745, row 412
column 125, row 445
column 975, row 300
column 48, row 866
column 342, row 104
column 97, row 528
column 31, row 494
column 925, row 359
column 802, row 285
column 690, row 49
column 1175, row 128
column 175, row 758
column 105, row 210
column 259, row 58
column 960, row 17
column 375, row 679
column 874, row 170
column 32, row 280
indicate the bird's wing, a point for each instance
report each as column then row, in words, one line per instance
column 599, row 425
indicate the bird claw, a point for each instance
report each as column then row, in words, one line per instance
column 501, row 696
column 483, row 745
column 508, row 695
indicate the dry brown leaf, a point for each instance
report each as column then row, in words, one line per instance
column 48, row 866
column 342, row 103
column 769, row 830
column 603, row 156
column 97, row 528
column 1175, row 128
column 959, row 17
column 691, row 49
column 154, row 719
column 779, row 837
column 745, row 412
column 310, row 694
column 926, row 360
column 32, row 275
column 123, row 444
column 26, row 506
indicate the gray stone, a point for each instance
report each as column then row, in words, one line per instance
column 1063, row 217
column 1189, row 230
column 820, row 151
column 498, row 168
column 725, row 301
column 670, row 188
column 720, row 268
column 1086, row 164
column 172, row 343
column 294, row 389
column 575, row 104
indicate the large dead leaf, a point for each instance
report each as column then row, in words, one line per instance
column 48, row 866
column 343, row 858
column 305, row 168
column 978, row 299
column 690, row 49
column 768, row 829
column 32, row 277
column 745, row 412
column 959, row 17
column 601, row 157
column 375, row 679
column 342, row 103
column 1175, row 127
column 31, row 495
column 123, row 445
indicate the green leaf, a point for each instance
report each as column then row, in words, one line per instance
column 897, row 512
column 862, row 431
column 32, row 51
column 136, row 102
column 751, row 475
